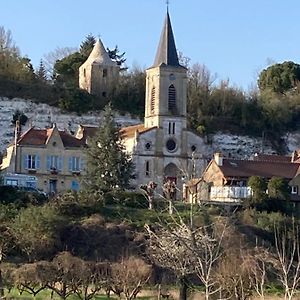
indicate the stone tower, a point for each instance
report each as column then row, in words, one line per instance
column 99, row 73
column 166, row 84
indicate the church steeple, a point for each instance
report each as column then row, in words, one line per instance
column 166, row 52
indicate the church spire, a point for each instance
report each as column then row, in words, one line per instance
column 166, row 51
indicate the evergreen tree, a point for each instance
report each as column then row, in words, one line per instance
column 109, row 168
column 41, row 72
column 87, row 45
column 115, row 56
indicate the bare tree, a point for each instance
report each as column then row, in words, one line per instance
column 149, row 192
column 187, row 250
column 130, row 275
column 55, row 55
column 28, row 278
column 287, row 261
column 169, row 190
column 260, row 263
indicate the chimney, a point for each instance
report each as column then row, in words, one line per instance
column 218, row 157
column 294, row 156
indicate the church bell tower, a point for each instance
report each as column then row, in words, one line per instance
column 166, row 85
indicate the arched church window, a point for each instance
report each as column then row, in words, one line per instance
column 84, row 73
column 105, row 73
column 172, row 98
column 152, row 104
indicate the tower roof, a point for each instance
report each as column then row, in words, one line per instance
column 100, row 56
column 166, row 51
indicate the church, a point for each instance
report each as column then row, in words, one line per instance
column 162, row 148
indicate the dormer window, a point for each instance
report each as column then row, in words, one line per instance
column 172, row 98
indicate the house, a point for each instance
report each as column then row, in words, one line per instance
column 54, row 157
column 226, row 178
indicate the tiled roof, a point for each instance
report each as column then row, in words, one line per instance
column 267, row 169
column 272, row 158
column 127, row 132
column 39, row 137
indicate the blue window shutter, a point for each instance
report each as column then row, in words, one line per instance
column 60, row 163
column 25, row 162
column 37, row 163
column 48, row 162
column 82, row 164
column 70, row 164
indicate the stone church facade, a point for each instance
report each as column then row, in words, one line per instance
column 163, row 148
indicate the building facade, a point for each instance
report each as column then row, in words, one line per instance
column 55, row 158
column 163, row 148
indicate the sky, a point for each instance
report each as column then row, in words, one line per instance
column 234, row 39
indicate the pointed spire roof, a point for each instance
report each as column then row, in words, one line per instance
column 99, row 55
column 166, row 51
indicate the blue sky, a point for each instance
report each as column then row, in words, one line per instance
column 235, row 39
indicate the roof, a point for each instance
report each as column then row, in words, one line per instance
column 267, row 169
column 166, row 52
column 272, row 158
column 39, row 137
column 130, row 131
column 100, row 56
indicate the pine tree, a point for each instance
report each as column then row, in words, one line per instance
column 109, row 168
column 87, row 45
column 41, row 73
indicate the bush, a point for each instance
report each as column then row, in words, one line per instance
column 127, row 199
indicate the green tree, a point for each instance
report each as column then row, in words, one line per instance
column 36, row 231
column 41, row 73
column 109, row 168
column 77, row 100
column 280, row 78
column 259, row 187
column 19, row 116
column 87, row 45
column 278, row 188
column 130, row 92
column 116, row 56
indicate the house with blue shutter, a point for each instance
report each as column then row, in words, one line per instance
column 54, row 157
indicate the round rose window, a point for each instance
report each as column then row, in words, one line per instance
column 171, row 145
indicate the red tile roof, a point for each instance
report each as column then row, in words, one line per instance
column 272, row 158
column 130, row 131
column 39, row 137
column 246, row 168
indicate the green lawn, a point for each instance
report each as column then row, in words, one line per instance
column 45, row 295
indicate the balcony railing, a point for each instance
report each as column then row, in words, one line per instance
column 230, row 193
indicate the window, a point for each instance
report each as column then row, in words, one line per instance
column 171, row 128
column 104, row 94
column 294, row 190
column 54, row 162
column 74, row 164
column 75, row 185
column 31, row 162
column 152, row 104
column 172, row 98
column 13, row 182
column 147, row 168
column 84, row 73
column 105, row 73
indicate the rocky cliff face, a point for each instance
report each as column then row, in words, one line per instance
column 43, row 115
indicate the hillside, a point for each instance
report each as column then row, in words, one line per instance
column 42, row 115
